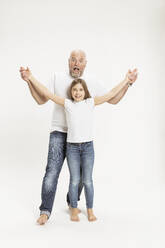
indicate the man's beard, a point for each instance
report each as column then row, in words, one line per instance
column 76, row 75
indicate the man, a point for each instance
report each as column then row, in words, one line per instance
column 57, row 143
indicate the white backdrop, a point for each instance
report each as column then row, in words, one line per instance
column 129, row 172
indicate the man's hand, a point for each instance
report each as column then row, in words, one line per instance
column 131, row 76
column 25, row 73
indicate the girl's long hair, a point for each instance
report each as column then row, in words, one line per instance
column 83, row 83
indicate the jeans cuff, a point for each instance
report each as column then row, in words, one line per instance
column 45, row 212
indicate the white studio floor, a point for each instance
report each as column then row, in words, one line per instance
column 109, row 231
column 118, row 225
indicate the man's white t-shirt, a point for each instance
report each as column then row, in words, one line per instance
column 59, row 85
column 79, row 116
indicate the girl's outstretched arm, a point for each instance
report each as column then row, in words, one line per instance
column 116, row 90
column 111, row 94
column 46, row 93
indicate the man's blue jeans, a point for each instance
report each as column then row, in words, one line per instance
column 56, row 156
column 80, row 155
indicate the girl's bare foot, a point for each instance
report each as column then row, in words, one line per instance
column 74, row 214
column 78, row 210
column 91, row 216
column 42, row 219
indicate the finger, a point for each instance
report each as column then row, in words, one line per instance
column 134, row 76
column 21, row 69
column 24, row 73
column 133, row 73
column 134, row 79
column 135, row 70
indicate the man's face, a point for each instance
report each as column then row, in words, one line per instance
column 77, row 63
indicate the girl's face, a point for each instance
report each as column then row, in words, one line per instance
column 78, row 92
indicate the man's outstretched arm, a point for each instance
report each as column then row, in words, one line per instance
column 119, row 96
column 37, row 97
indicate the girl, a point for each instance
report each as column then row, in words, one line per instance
column 80, row 151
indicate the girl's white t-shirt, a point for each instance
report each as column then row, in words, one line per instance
column 59, row 85
column 79, row 117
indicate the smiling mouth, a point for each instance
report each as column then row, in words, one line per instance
column 77, row 97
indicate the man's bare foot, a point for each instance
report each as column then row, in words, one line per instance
column 74, row 214
column 42, row 219
column 78, row 210
column 91, row 216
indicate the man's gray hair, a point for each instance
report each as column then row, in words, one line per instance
column 78, row 51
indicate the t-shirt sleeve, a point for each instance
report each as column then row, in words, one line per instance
column 67, row 104
column 91, row 102
column 50, row 84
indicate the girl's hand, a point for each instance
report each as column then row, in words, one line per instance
column 25, row 73
column 131, row 76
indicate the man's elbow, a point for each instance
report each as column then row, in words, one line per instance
column 41, row 102
column 113, row 102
